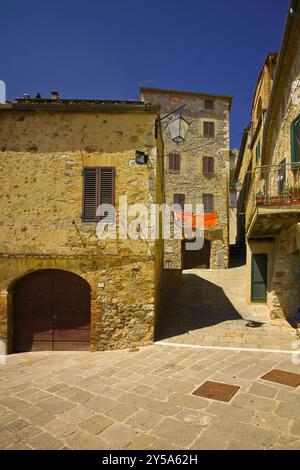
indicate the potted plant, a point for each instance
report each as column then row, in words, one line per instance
column 286, row 193
column 259, row 196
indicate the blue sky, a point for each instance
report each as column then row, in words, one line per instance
column 103, row 49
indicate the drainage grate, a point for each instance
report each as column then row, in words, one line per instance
column 216, row 391
column 254, row 324
column 282, row 377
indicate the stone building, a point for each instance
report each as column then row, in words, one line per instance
column 250, row 150
column 272, row 222
column 196, row 171
column 62, row 286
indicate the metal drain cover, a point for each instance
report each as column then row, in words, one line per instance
column 282, row 377
column 216, row 391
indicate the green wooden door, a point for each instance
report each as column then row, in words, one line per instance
column 259, row 277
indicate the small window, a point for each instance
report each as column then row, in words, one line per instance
column 208, row 202
column 179, row 199
column 258, row 152
column 208, row 166
column 295, row 140
column 209, row 129
column 98, row 188
column 209, row 104
column 174, row 162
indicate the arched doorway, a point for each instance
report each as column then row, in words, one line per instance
column 196, row 258
column 51, row 312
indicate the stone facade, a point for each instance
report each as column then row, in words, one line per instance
column 275, row 230
column 190, row 180
column 44, row 147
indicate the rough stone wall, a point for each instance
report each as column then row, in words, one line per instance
column 284, row 296
column 42, row 156
column 191, row 181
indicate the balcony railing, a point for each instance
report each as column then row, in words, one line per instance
column 273, row 185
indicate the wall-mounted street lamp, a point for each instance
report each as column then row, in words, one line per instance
column 177, row 126
column 141, row 158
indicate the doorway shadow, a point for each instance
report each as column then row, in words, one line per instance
column 196, row 304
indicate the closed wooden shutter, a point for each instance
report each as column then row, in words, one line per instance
column 174, row 162
column 179, row 199
column 98, row 188
column 208, row 202
column 295, row 140
column 208, row 129
column 89, row 194
column 107, row 193
column 208, row 166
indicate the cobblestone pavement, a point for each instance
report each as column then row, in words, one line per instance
column 143, row 400
column 211, row 309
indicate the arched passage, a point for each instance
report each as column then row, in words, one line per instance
column 196, row 258
column 51, row 312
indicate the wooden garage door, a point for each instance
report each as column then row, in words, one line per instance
column 51, row 312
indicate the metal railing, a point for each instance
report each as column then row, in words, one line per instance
column 273, row 185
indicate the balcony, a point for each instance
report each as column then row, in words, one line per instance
column 274, row 199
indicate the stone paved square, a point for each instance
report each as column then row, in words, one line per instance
column 154, row 410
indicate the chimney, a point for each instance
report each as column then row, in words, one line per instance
column 54, row 95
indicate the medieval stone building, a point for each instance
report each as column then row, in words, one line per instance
column 196, row 171
column 61, row 286
column 272, row 198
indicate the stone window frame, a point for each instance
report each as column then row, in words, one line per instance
column 210, row 166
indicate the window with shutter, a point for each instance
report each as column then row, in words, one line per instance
column 174, row 162
column 208, row 166
column 208, row 202
column 179, row 199
column 98, row 189
column 209, row 129
column 258, row 152
column 295, row 140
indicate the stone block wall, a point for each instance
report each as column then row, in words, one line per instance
column 42, row 155
column 190, row 181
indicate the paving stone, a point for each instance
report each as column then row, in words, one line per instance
column 122, row 411
column 245, row 400
column 177, row 432
column 141, row 442
column 45, row 441
column 16, row 426
column 84, row 441
column 41, row 418
column 287, row 410
column 263, row 390
column 226, row 411
column 209, row 441
column 55, row 405
column 144, row 420
column 60, row 428
column 296, row 427
column 162, row 408
column 119, row 435
column 100, row 405
column 188, row 401
column 195, row 417
column 271, row 421
column 96, row 424
column 7, row 438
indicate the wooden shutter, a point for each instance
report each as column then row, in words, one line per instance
column 208, row 202
column 295, row 140
column 174, row 162
column 89, row 194
column 208, row 165
column 98, row 188
column 209, row 129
